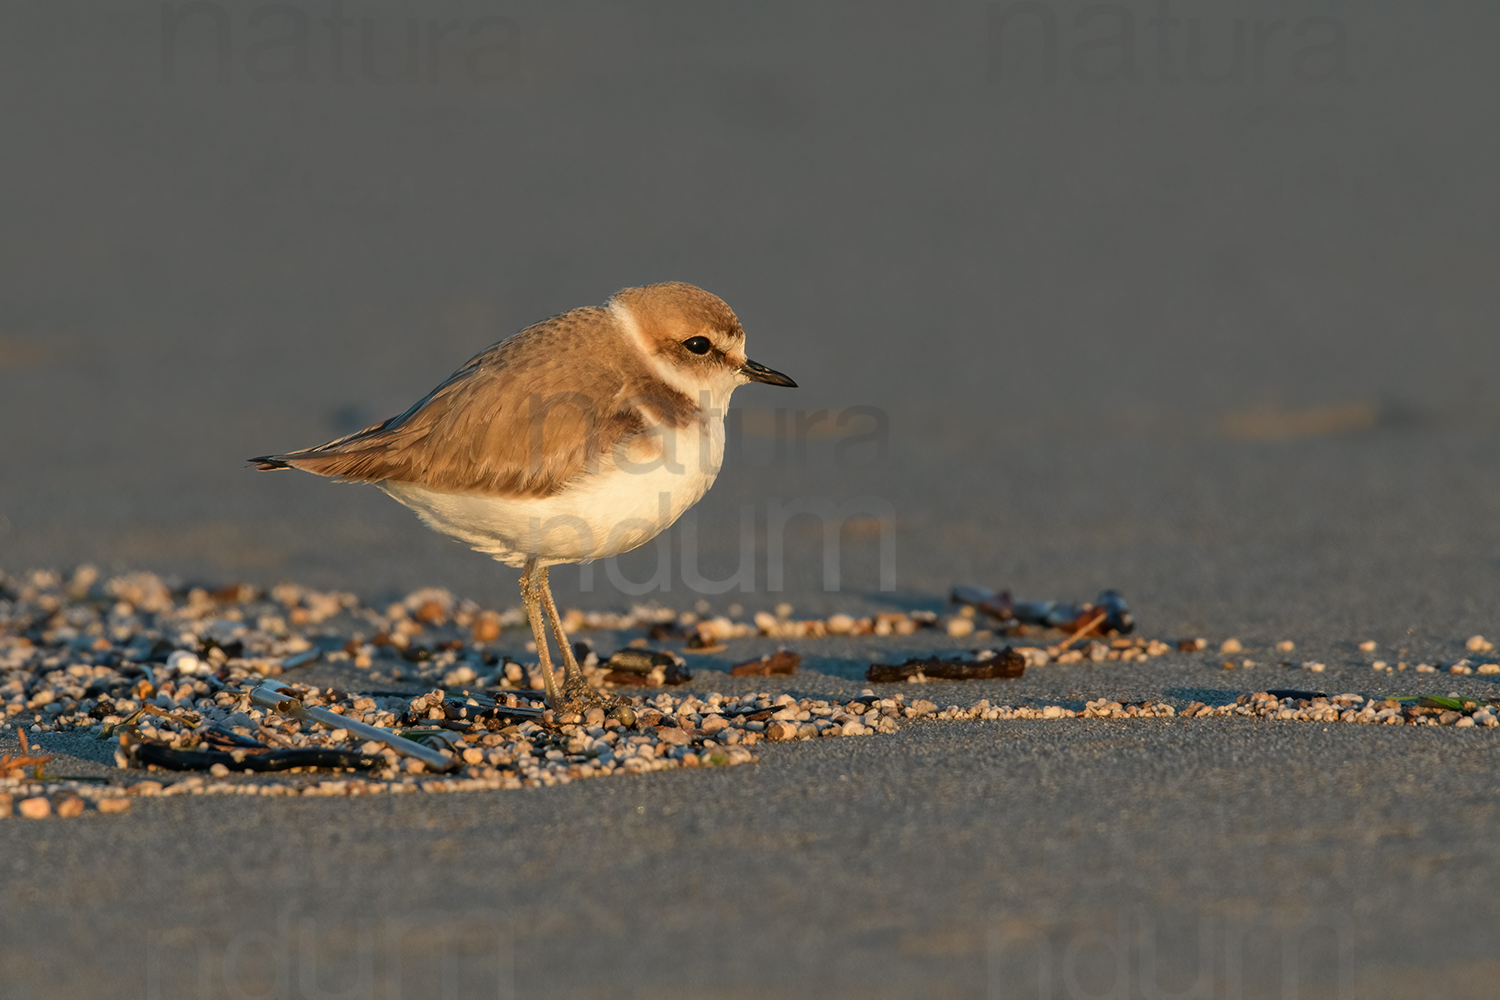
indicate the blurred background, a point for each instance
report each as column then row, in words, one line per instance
column 1196, row 301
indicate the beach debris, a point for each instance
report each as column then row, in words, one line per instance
column 302, row 659
column 283, row 701
column 781, row 662
column 1294, row 694
column 172, row 668
column 15, row 765
column 248, row 756
column 1090, row 627
column 1012, row 613
column 646, row 668
column 987, row 665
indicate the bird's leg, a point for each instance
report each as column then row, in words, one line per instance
column 532, row 601
column 580, row 696
column 573, row 684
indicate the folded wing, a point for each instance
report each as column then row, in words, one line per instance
column 519, row 420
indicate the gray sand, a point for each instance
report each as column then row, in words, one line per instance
column 1228, row 348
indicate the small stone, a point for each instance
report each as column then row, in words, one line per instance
column 70, row 806
column 1191, row 645
column 219, row 771
column 960, row 626
column 1314, row 666
column 1285, row 646
column 473, row 755
column 1478, row 644
column 36, row 808
column 1231, row 646
column 460, row 676
column 1489, row 668
column 1368, row 646
column 1426, row 668
column 781, row 731
column 185, row 663
column 486, row 627
column 1464, row 723
column 117, row 804
column 840, row 624
column 5, row 803
column 1460, row 668
column 673, row 735
column 1038, row 657
column 923, row 707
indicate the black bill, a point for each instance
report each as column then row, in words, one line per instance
column 760, row 373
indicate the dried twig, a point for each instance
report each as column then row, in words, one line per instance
column 1085, row 630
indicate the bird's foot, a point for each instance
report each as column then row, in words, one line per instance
column 579, row 697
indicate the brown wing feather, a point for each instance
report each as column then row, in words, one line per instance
column 522, row 419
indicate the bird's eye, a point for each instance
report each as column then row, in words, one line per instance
column 698, row 345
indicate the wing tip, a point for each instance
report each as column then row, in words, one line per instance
column 269, row 463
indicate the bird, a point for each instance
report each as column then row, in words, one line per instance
column 583, row 436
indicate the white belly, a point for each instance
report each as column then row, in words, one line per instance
column 600, row 514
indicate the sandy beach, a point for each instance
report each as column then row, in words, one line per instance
column 1076, row 300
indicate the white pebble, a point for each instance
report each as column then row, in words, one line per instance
column 186, row 664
